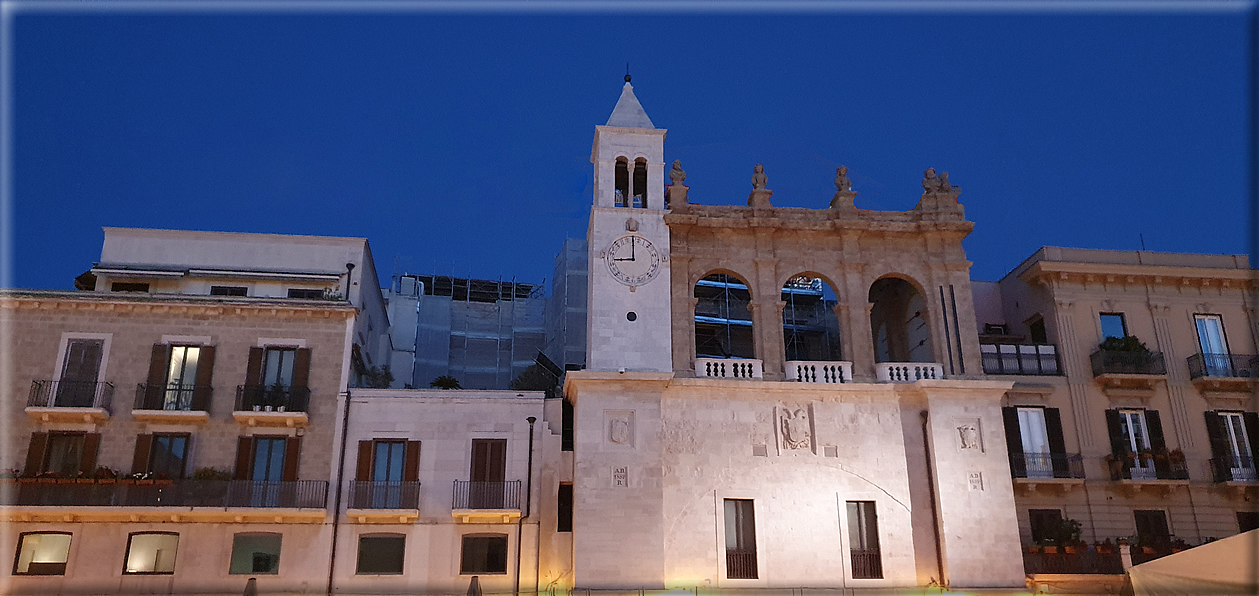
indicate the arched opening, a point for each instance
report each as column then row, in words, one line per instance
column 640, row 184
column 898, row 322
column 723, row 321
column 622, row 181
column 810, row 325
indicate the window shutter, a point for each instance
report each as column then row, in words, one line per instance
column 253, row 373
column 1057, row 443
column 35, row 454
column 1014, row 442
column 1152, row 420
column 292, row 453
column 158, row 361
column 364, row 472
column 244, row 456
column 1220, row 453
column 1118, row 443
column 91, row 444
column 1251, row 421
column 202, row 392
column 144, row 447
column 411, row 465
column 301, row 368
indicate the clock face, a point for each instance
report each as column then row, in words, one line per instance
column 632, row 260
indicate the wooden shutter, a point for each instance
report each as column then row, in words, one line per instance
column 1014, row 442
column 1155, row 424
column 301, row 368
column 244, row 457
column 159, row 361
column 253, row 372
column 201, row 392
column 144, row 448
column 35, row 454
column 489, row 460
column 364, row 472
column 411, row 465
column 292, row 454
column 91, row 444
column 1251, row 422
column 1218, row 436
column 1118, row 444
column 1057, row 443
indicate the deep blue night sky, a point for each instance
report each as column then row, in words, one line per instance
column 461, row 143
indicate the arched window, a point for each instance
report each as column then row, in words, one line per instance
column 810, row 325
column 898, row 322
column 640, row 183
column 622, row 182
column 723, row 322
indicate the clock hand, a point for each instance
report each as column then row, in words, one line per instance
column 632, row 248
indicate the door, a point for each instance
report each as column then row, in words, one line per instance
column 1137, row 434
column 1035, row 437
column 489, row 470
column 1243, row 464
column 181, row 377
column 268, row 471
column 1152, row 528
column 1211, row 339
column 77, row 386
column 387, row 466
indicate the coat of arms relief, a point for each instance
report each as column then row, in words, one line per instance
column 794, row 426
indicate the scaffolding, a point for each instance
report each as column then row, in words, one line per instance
column 723, row 321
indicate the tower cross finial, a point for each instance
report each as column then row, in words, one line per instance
column 627, row 76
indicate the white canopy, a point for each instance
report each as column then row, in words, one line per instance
column 1228, row 566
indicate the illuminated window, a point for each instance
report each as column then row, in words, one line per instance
column 255, row 553
column 483, row 553
column 42, row 553
column 151, row 553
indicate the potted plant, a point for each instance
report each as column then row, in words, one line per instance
column 1179, row 545
column 1105, row 547
column 106, row 475
column 162, row 478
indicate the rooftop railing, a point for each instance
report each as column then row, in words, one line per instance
column 1020, row 359
column 729, row 368
column 907, row 372
column 810, row 371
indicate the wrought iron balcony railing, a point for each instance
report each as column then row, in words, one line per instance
column 740, row 563
column 867, row 564
column 173, row 396
column 1223, row 365
column 1087, row 560
column 1234, row 469
column 269, row 398
column 1107, row 362
column 1046, row 465
column 474, row 494
column 1020, row 359
column 70, row 394
column 384, row 495
column 172, row 493
column 1156, row 466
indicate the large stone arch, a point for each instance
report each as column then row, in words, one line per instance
column 811, row 318
column 901, row 322
column 721, row 321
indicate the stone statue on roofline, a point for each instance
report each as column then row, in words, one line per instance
column 677, row 190
column 844, row 195
column 930, row 182
column 842, row 183
column 758, row 177
column 939, row 196
column 677, row 174
column 759, row 199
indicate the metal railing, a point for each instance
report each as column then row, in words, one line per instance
column 1223, row 365
column 729, row 368
column 475, row 494
column 271, row 398
column 1046, row 465
column 867, row 564
column 172, row 493
column 1156, row 467
column 384, row 495
column 70, row 394
column 740, row 563
column 1129, row 363
column 1234, row 469
column 907, row 372
column 1085, row 561
column 1020, row 359
column 173, row 396
column 808, row 371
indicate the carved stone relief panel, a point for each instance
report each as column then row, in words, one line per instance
column 618, row 428
column 968, row 434
column 793, row 427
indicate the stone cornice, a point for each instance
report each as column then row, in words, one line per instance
column 170, row 303
column 798, row 219
column 1059, row 272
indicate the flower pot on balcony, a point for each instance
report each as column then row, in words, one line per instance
column 47, row 480
column 257, row 408
column 268, row 408
column 106, row 480
column 1032, row 549
column 279, row 408
column 144, row 482
column 86, row 481
column 1147, row 550
column 1070, row 550
column 27, row 480
column 1051, row 550
column 163, row 481
column 126, row 481
column 66, row 481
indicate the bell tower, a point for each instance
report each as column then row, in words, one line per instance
column 628, row 321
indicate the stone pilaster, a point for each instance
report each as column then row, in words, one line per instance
column 1073, row 364
column 1160, row 310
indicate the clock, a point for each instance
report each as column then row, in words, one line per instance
column 632, row 260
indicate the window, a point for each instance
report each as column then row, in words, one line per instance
column 388, row 460
column 564, row 517
column 740, row 539
column 1235, row 445
column 229, row 291
column 863, row 540
column 483, row 553
column 255, row 553
column 566, row 425
column 381, row 554
column 151, row 553
column 76, row 388
column 168, row 455
column 1113, row 325
column 1151, row 527
column 1044, row 524
column 278, row 366
column 122, row 286
column 64, row 454
column 489, row 469
column 1036, row 329
column 1035, row 436
column 181, row 377
column 306, row 293
column 1247, row 521
column 42, row 553
column 1214, row 345
column 268, row 460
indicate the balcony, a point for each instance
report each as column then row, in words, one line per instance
column 1086, row 560
column 1147, row 470
column 271, row 405
column 809, row 371
column 1020, row 359
column 384, row 502
column 907, row 372
column 867, row 564
column 1233, row 373
column 740, row 563
column 173, row 403
column 1128, row 374
column 1061, row 469
column 69, row 401
column 728, row 368
column 1233, row 469
column 480, row 502
column 238, row 501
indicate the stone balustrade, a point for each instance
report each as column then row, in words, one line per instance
column 728, row 368
column 907, row 372
column 819, row 371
